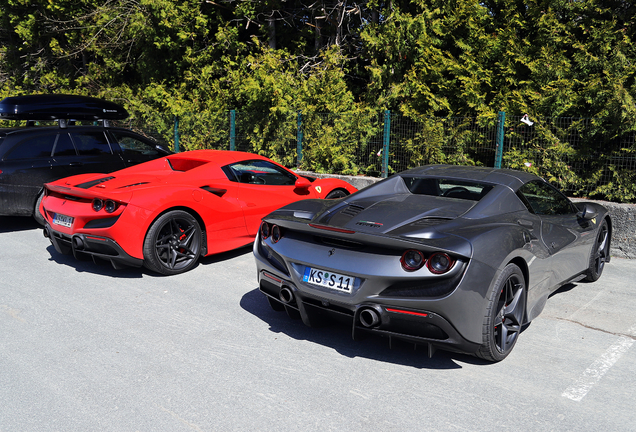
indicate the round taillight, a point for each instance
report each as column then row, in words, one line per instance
column 439, row 263
column 412, row 260
column 276, row 233
column 110, row 206
column 265, row 230
column 98, row 204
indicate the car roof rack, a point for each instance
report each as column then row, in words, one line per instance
column 61, row 107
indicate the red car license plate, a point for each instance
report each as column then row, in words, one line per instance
column 60, row 219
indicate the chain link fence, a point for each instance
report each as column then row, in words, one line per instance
column 576, row 154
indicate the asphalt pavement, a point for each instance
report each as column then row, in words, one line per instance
column 84, row 347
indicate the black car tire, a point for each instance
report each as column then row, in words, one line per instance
column 599, row 254
column 337, row 193
column 173, row 243
column 504, row 315
column 36, row 210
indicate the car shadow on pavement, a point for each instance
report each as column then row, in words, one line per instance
column 18, row 223
column 226, row 255
column 338, row 337
column 563, row 289
column 104, row 267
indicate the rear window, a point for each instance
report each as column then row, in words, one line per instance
column 449, row 188
column 39, row 146
column 91, row 143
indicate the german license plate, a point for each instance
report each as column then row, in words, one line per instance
column 328, row 279
column 60, row 219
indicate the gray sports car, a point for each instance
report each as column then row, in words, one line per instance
column 452, row 257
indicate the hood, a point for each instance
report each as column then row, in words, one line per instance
column 380, row 216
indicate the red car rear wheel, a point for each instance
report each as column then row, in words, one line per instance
column 173, row 243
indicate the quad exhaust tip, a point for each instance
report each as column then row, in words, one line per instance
column 286, row 295
column 369, row 317
column 78, row 243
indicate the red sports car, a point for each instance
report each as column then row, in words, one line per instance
column 166, row 213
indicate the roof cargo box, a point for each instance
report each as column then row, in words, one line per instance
column 54, row 107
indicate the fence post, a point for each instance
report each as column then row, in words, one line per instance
column 501, row 119
column 299, row 139
column 385, row 145
column 176, row 134
column 232, row 130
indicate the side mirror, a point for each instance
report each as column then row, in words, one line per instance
column 302, row 183
column 587, row 213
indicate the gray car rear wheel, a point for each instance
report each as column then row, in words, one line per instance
column 504, row 315
column 599, row 254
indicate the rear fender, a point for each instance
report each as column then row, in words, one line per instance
column 220, row 219
column 322, row 187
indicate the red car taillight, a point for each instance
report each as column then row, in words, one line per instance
column 98, row 204
column 109, row 206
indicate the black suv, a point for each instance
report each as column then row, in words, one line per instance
column 33, row 155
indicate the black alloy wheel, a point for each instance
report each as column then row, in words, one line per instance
column 173, row 243
column 599, row 254
column 505, row 314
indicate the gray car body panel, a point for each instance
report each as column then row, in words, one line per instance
column 385, row 219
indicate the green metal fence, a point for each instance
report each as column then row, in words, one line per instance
column 573, row 153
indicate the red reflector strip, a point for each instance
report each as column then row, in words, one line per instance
column 407, row 312
column 96, row 238
column 272, row 277
column 330, row 228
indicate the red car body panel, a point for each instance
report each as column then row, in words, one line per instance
column 229, row 212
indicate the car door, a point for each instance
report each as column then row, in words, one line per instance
column 134, row 148
column 26, row 166
column 565, row 235
column 94, row 153
column 263, row 188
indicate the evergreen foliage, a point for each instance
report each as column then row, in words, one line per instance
column 271, row 59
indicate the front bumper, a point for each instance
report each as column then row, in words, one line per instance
column 91, row 246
